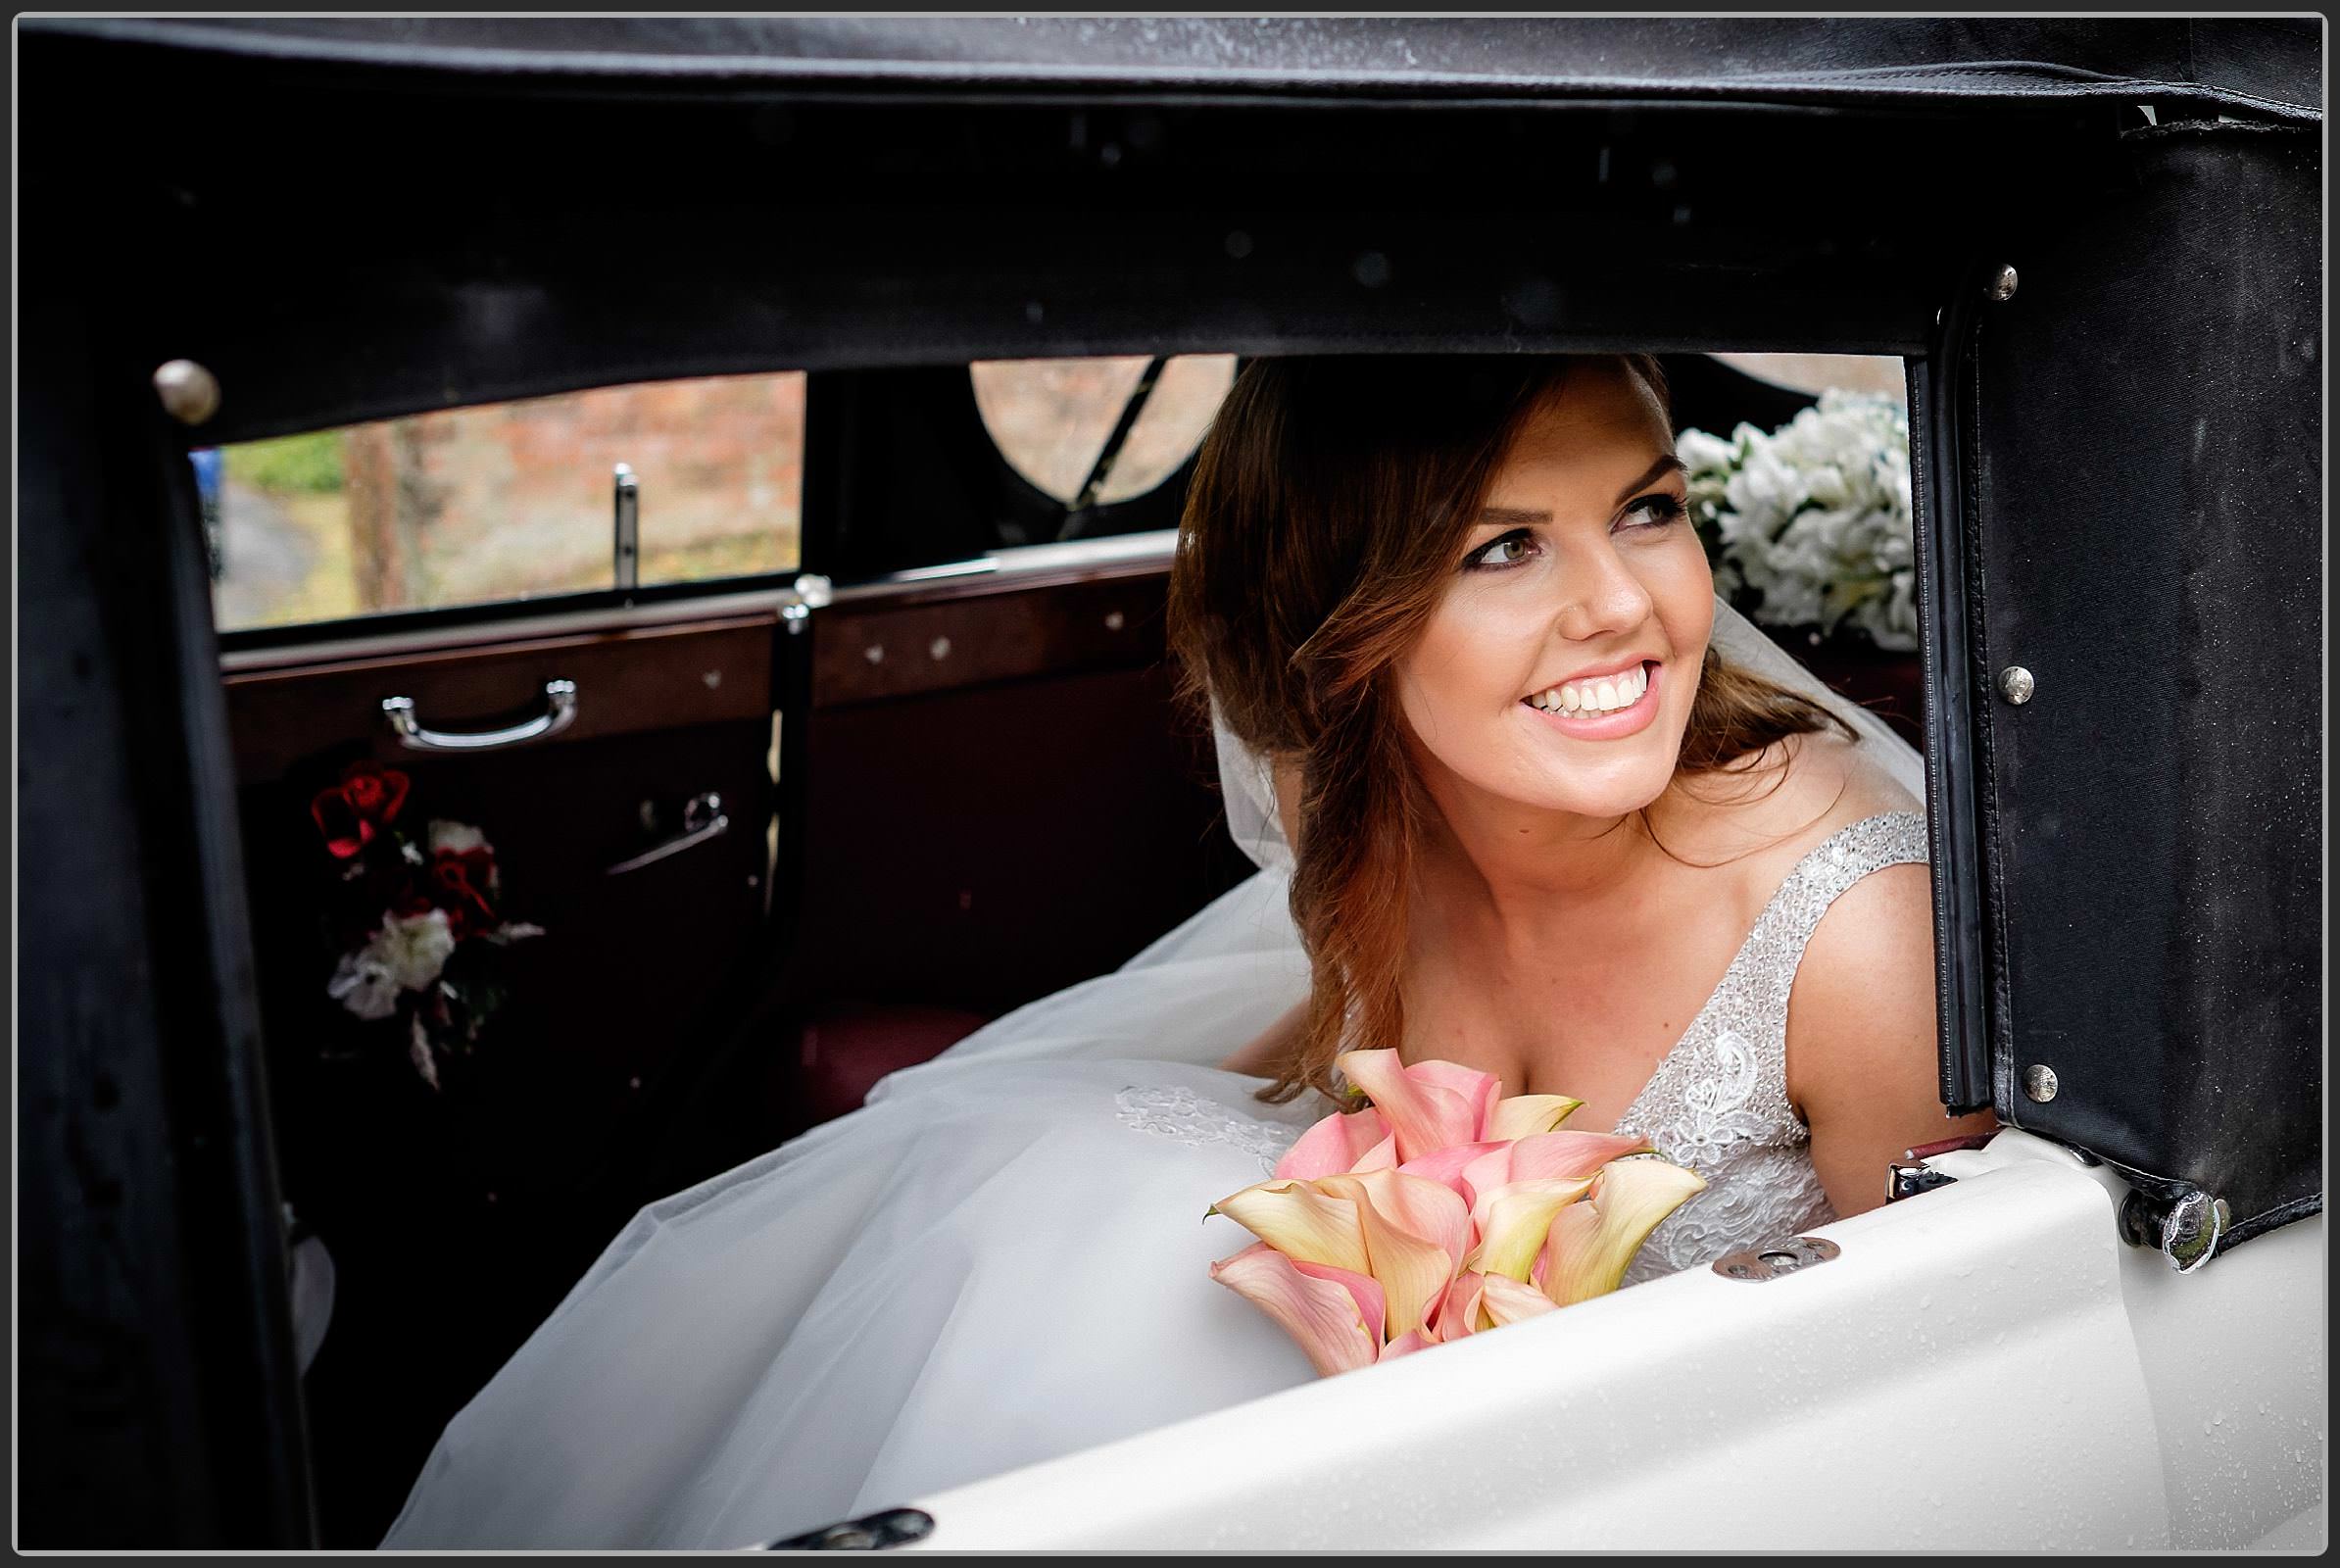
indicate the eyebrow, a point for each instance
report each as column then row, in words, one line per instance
column 1521, row 516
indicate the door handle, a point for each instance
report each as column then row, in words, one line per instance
column 703, row 820
column 560, row 711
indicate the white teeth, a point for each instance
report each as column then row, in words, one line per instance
column 1596, row 697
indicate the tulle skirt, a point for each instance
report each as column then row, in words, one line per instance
column 1000, row 1258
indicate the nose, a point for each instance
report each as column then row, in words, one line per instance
column 1599, row 594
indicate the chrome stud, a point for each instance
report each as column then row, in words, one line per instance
column 190, row 393
column 2001, row 286
column 2016, row 685
column 2039, row 1082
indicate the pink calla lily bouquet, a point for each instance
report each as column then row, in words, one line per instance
column 1441, row 1209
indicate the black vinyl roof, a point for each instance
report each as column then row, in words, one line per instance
column 2267, row 65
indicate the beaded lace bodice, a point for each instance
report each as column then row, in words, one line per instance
column 1718, row 1103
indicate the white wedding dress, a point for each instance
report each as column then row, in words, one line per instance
column 1001, row 1257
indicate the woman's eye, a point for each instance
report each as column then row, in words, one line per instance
column 1511, row 550
column 1655, row 510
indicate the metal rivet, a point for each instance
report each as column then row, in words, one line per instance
column 713, row 679
column 875, row 653
column 2039, row 1082
column 190, row 393
column 1113, row 621
column 2016, row 685
column 2001, row 286
column 939, row 648
column 634, row 1082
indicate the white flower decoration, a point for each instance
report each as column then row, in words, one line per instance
column 1814, row 516
column 406, row 954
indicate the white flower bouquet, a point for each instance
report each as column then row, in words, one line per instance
column 1809, row 526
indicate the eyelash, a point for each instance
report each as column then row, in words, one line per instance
column 1664, row 511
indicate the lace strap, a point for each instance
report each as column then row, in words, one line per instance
column 1844, row 858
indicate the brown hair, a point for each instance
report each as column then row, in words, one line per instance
column 1327, row 504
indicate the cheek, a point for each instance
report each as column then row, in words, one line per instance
column 1681, row 588
column 1476, row 652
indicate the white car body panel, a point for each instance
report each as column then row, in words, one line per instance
column 1986, row 1366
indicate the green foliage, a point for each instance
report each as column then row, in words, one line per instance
column 304, row 465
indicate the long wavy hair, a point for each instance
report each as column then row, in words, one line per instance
column 1329, row 502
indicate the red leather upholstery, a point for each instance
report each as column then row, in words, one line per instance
column 847, row 1046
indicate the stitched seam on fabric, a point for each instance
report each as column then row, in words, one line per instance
column 1999, row 1027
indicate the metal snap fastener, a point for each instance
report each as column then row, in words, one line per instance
column 875, row 653
column 2016, row 685
column 2039, row 1082
column 190, row 393
column 2001, row 286
column 1778, row 1260
column 1113, row 621
column 2193, row 1229
column 939, row 648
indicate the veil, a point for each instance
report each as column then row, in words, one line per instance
column 1215, row 982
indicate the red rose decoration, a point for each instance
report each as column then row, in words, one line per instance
column 460, row 880
column 364, row 803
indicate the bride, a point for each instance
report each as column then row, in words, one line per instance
column 1559, row 814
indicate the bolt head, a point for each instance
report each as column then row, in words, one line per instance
column 2016, row 685
column 190, row 393
column 2039, row 1082
column 2001, row 286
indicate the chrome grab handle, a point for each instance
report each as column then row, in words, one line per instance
column 703, row 820
column 560, row 711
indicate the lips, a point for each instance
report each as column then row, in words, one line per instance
column 1601, row 722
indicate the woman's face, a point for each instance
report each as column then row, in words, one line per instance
column 1558, row 668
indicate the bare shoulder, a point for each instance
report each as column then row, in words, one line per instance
column 1769, row 809
column 1863, row 1048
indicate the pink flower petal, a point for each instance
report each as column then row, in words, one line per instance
column 1413, row 1268
column 1321, row 1315
column 1334, row 1143
column 1483, row 1176
column 1405, row 1345
column 1480, row 1091
column 1457, row 1315
column 1363, row 1289
column 1569, row 1154
column 1507, row 1300
column 1447, row 1166
column 1381, row 1156
column 1425, row 1115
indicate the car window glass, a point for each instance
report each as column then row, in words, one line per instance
column 1051, row 418
column 505, row 501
